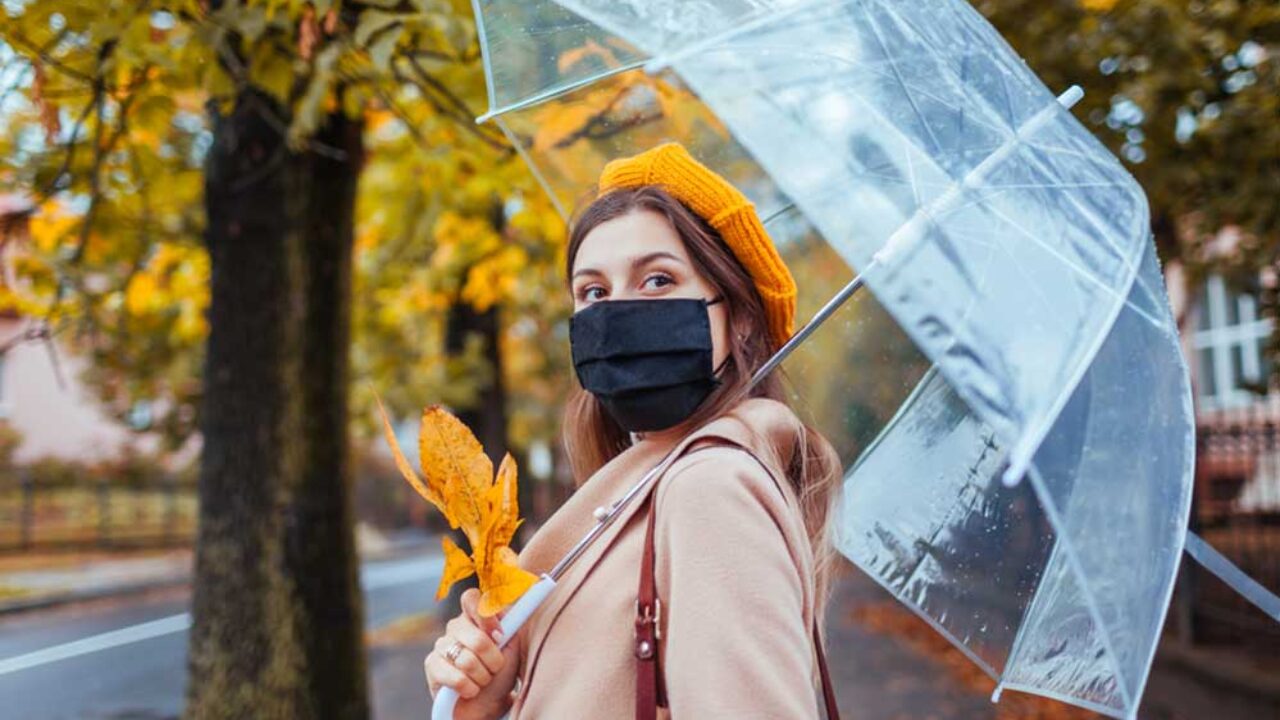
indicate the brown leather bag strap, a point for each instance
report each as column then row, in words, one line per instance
column 650, row 689
column 650, row 692
column 828, row 690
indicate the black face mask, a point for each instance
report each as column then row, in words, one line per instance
column 647, row 361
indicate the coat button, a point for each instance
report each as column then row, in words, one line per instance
column 644, row 650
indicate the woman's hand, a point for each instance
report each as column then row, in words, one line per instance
column 482, row 674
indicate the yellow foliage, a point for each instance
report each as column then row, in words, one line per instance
column 453, row 229
column 50, row 226
column 457, row 478
column 142, row 294
column 589, row 49
column 559, row 123
column 494, row 278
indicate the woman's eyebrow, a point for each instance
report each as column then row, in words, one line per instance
column 637, row 263
column 587, row 271
column 660, row 255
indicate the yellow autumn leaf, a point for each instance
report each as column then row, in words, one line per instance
column 503, row 503
column 458, row 478
column 453, row 461
column 457, row 566
column 430, row 494
column 505, row 583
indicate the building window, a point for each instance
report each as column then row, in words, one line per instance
column 1228, row 342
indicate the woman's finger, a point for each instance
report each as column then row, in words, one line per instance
column 466, row 660
column 471, row 608
column 477, row 641
column 443, row 674
column 468, row 663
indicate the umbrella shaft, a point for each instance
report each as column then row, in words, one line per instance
column 818, row 319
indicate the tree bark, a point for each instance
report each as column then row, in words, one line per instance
column 487, row 418
column 320, row 543
column 276, row 608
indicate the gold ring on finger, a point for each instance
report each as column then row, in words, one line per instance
column 452, row 653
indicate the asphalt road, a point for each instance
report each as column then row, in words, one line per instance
column 127, row 658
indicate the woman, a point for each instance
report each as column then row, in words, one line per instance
column 679, row 297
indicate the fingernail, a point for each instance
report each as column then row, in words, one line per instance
column 496, row 634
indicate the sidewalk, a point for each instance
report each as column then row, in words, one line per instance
column 31, row 582
column 888, row 664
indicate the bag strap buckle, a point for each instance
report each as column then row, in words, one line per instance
column 649, row 616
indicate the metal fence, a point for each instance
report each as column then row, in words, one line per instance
column 1236, row 508
column 94, row 515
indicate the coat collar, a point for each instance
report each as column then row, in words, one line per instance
column 767, row 427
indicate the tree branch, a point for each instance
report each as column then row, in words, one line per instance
column 42, row 52
column 460, row 113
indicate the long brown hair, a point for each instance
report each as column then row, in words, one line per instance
column 592, row 438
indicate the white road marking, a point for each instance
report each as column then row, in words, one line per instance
column 385, row 575
column 92, row 644
column 372, row 577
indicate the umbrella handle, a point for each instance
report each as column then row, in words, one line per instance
column 517, row 614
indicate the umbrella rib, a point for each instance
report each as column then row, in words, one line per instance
column 533, row 168
column 872, row 68
column 1071, row 264
column 1004, row 88
column 762, row 17
column 1073, row 562
column 902, row 239
column 556, row 91
column 1131, row 263
column 875, row 30
column 911, row 170
column 778, row 213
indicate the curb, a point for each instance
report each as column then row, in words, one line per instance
column 43, row 602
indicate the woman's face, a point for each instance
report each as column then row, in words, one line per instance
column 640, row 256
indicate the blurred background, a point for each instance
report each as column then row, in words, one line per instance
column 224, row 226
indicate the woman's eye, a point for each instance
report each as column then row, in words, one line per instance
column 658, row 281
column 595, row 292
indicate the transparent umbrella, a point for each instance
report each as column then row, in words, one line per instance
column 1009, row 397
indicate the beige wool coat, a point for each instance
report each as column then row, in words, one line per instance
column 734, row 574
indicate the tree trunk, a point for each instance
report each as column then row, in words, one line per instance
column 487, row 418
column 277, row 615
column 320, row 544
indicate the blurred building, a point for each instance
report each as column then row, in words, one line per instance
column 40, row 395
column 1236, row 505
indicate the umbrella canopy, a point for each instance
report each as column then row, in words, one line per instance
column 1010, row 400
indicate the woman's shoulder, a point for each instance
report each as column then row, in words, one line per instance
column 722, row 505
column 769, row 428
column 719, row 478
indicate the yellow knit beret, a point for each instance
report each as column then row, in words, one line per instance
column 726, row 210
